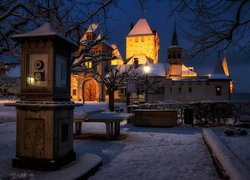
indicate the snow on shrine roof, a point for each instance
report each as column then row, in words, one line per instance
column 44, row 30
column 141, row 28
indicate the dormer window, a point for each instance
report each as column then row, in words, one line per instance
column 89, row 37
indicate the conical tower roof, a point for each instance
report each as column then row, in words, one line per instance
column 219, row 71
column 174, row 37
column 141, row 28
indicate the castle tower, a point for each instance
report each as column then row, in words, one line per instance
column 174, row 56
column 141, row 40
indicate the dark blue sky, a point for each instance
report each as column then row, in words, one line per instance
column 157, row 15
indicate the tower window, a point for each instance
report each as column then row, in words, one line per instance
column 170, row 89
column 218, row 90
column 179, row 90
column 142, row 39
column 178, row 56
column 136, row 39
column 89, row 37
column 190, row 89
column 74, row 92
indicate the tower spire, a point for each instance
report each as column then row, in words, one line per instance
column 174, row 37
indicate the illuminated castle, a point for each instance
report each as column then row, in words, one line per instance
column 180, row 82
column 142, row 42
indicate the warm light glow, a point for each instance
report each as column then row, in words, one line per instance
column 31, row 80
column 117, row 62
column 232, row 87
column 146, row 69
column 189, row 75
column 209, row 75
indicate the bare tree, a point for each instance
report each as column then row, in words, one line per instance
column 217, row 23
column 148, row 85
column 68, row 16
column 8, row 86
column 113, row 77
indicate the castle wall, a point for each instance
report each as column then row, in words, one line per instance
column 198, row 90
column 142, row 45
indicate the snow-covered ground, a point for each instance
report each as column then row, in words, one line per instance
column 239, row 145
column 149, row 153
column 140, row 153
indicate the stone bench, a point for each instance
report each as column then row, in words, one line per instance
column 155, row 118
column 111, row 119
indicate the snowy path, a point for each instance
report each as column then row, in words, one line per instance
column 168, row 154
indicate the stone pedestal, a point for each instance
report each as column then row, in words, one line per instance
column 44, row 135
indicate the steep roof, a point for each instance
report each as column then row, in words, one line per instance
column 174, row 37
column 219, row 71
column 224, row 66
column 141, row 28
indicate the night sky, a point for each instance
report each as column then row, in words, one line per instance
column 157, row 15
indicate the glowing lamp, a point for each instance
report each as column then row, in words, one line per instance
column 146, row 69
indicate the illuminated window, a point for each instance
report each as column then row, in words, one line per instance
column 88, row 64
column 74, row 92
column 136, row 39
column 218, row 90
column 142, row 39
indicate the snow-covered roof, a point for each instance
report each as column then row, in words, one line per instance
column 44, row 30
column 155, row 70
column 14, row 72
column 141, row 28
column 218, row 76
column 92, row 27
column 116, row 51
column 187, row 72
column 219, row 72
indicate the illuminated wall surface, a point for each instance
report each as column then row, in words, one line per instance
column 142, row 40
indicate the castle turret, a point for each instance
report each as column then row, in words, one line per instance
column 142, row 40
column 174, row 56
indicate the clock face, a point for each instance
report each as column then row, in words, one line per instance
column 37, row 70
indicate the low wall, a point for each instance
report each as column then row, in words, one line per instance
column 155, row 118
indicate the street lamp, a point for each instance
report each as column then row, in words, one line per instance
column 146, row 70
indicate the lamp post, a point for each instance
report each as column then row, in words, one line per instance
column 146, row 70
